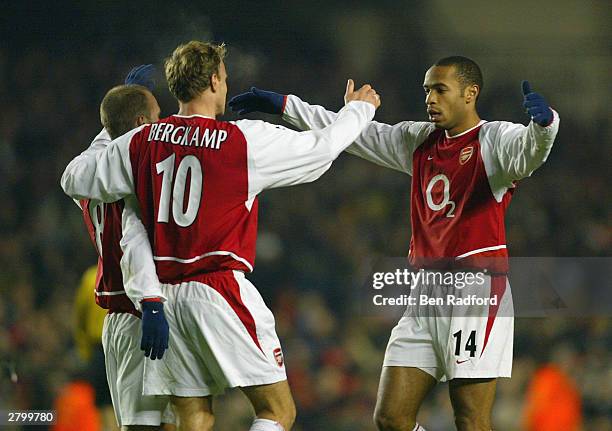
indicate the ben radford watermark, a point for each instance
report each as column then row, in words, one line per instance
column 532, row 287
column 419, row 287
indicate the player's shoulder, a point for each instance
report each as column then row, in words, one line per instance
column 127, row 137
column 489, row 126
column 256, row 126
column 103, row 136
column 417, row 132
column 415, row 125
column 493, row 131
column 418, row 128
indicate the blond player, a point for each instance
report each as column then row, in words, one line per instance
column 197, row 181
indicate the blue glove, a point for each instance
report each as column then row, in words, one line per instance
column 258, row 100
column 154, row 329
column 536, row 106
column 142, row 75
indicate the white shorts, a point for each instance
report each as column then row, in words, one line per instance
column 124, row 360
column 222, row 335
column 473, row 342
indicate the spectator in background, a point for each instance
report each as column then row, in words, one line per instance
column 552, row 402
column 43, row 251
column 76, row 410
column 88, row 322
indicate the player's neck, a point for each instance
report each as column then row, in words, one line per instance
column 468, row 123
column 199, row 106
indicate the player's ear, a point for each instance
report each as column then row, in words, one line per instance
column 140, row 120
column 471, row 93
column 214, row 82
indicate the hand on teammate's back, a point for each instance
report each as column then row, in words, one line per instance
column 536, row 106
column 155, row 329
column 365, row 94
column 142, row 75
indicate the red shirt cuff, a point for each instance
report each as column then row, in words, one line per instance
column 151, row 300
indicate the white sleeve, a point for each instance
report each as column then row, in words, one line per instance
column 100, row 142
column 279, row 157
column 511, row 151
column 103, row 174
column 386, row 145
column 137, row 265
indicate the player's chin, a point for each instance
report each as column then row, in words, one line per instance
column 439, row 123
column 437, row 119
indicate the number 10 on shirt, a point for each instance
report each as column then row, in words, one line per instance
column 189, row 166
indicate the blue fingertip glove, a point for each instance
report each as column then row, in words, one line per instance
column 258, row 100
column 142, row 75
column 155, row 328
column 536, row 106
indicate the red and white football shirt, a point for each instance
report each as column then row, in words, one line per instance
column 103, row 223
column 461, row 185
column 111, row 227
column 197, row 180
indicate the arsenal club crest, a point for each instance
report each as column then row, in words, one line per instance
column 465, row 155
column 278, row 355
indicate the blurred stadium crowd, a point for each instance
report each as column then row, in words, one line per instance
column 313, row 239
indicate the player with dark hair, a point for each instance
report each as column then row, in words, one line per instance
column 466, row 70
column 125, row 268
column 464, row 172
column 197, row 182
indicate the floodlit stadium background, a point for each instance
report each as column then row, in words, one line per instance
column 57, row 60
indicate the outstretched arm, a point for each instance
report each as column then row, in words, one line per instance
column 512, row 151
column 519, row 149
column 383, row 144
column 281, row 157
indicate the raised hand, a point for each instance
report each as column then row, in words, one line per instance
column 257, row 100
column 365, row 94
column 142, row 75
column 536, row 106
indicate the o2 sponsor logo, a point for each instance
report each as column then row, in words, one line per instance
column 446, row 201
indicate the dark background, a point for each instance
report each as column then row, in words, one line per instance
column 58, row 59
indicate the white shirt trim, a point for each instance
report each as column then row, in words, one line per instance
column 463, row 133
column 193, row 115
column 212, row 253
column 481, row 250
column 114, row 293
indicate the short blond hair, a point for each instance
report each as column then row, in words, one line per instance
column 190, row 67
column 121, row 107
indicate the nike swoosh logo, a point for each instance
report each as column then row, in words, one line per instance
column 155, row 311
column 429, row 157
column 461, row 362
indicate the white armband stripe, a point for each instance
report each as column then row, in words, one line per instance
column 481, row 250
column 205, row 255
column 113, row 293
